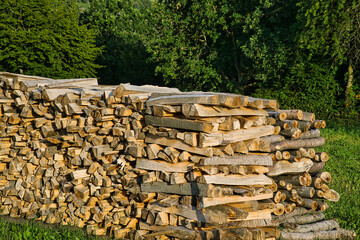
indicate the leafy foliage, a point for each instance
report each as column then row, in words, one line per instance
column 219, row 45
column 43, row 37
column 120, row 28
column 331, row 29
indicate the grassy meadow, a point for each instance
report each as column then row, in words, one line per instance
column 19, row 229
column 342, row 145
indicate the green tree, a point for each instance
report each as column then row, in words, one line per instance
column 221, row 45
column 43, row 37
column 120, row 26
column 332, row 30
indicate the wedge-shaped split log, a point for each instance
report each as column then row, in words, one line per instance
column 224, row 138
column 197, row 110
column 178, row 144
column 200, row 215
column 179, row 123
column 237, row 180
column 207, row 202
column 155, row 165
column 188, row 189
column 286, row 167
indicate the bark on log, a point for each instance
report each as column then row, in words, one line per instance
column 304, row 219
column 261, row 160
column 313, row 133
column 317, row 167
column 293, row 114
column 334, row 234
column 196, row 110
column 298, row 143
column 324, row 225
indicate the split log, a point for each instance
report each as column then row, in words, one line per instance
column 189, row 189
column 178, row 144
column 179, row 123
column 236, row 180
column 254, row 223
column 155, row 165
column 196, row 110
column 207, row 202
column 203, row 215
column 224, row 138
column 286, row 167
column 332, row 195
column 125, row 89
column 261, row 160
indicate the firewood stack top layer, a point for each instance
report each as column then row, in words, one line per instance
column 156, row 163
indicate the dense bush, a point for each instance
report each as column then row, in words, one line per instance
column 43, row 37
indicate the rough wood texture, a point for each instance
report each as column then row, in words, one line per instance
column 195, row 189
column 334, row 234
column 223, row 138
column 262, row 160
column 286, row 167
column 196, row 110
column 237, row 180
column 178, row 144
column 298, row 143
column 178, row 123
column 163, row 166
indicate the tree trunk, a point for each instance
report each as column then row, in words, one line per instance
column 349, row 85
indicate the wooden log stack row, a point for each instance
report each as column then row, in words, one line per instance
column 151, row 162
column 302, row 182
column 199, row 164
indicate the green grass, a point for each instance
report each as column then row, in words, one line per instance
column 343, row 146
column 18, row 229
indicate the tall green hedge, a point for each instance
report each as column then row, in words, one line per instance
column 43, row 37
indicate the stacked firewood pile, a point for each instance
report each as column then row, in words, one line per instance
column 153, row 162
column 302, row 182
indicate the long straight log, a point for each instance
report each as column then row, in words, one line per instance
column 196, row 110
column 293, row 114
column 334, row 234
column 324, row 225
column 306, row 218
column 187, row 124
column 155, row 165
column 312, row 133
column 261, row 160
column 237, row 180
column 224, row 138
column 207, row 202
column 298, row 143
